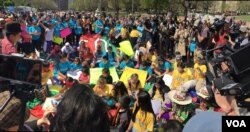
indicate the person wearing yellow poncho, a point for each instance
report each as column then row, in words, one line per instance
column 180, row 76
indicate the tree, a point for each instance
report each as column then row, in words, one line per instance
column 244, row 6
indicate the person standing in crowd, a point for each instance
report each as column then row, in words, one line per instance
column 49, row 31
column 99, row 25
column 26, row 46
column 143, row 115
column 134, row 35
column 13, row 34
column 35, row 31
column 181, row 36
column 78, row 31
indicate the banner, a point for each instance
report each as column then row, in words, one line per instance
column 90, row 41
column 129, row 71
column 126, row 48
column 95, row 73
column 58, row 40
column 65, row 32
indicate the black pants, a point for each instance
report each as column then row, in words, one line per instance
column 37, row 44
column 78, row 39
column 27, row 48
column 133, row 41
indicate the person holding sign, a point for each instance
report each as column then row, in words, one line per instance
column 134, row 85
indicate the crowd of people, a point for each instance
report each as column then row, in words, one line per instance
column 165, row 46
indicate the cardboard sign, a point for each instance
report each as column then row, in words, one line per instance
column 95, row 73
column 65, row 32
column 58, row 40
column 126, row 75
column 126, row 48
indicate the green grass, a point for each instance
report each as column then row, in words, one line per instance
column 243, row 18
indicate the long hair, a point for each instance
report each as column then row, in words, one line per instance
column 144, row 103
column 81, row 109
column 120, row 88
column 161, row 83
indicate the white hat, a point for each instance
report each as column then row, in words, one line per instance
column 186, row 101
column 67, row 44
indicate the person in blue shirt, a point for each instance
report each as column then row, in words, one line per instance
column 60, row 72
column 35, row 31
column 147, row 68
column 111, row 55
column 105, row 63
column 164, row 67
column 72, row 25
column 98, row 53
column 58, row 28
column 76, row 65
column 78, row 32
column 99, row 25
column 106, row 28
column 126, row 63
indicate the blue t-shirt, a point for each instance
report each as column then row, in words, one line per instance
column 57, row 29
column 78, row 30
column 98, row 23
column 148, row 69
column 106, row 31
column 64, row 67
column 118, row 29
column 140, row 29
column 102, row 65
column 165, row 66
column 72, row 23
column 65, row 24
column 129, row 64
column 111, row 56
column 33, row 29
column 74, row 66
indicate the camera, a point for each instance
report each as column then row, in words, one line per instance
column 234, row 82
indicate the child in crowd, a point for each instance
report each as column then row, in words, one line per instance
column 111, row 56
column 102, row 89
column 62, row 69
column 124, row 114
column 106, row 75
column 105, row 63
column 47, row 74
column 76, row 65
column 98, row 54
column 84, row 77
column 180, row 76
column 134, row 84
column 49, row 32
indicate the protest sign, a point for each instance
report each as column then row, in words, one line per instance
column 58, row 40
column 65, row 32
column 126, row 48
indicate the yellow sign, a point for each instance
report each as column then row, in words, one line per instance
column 126, row 48
column 58, row 40
column 129, row 71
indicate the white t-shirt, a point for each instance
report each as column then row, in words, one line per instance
column 49, row 34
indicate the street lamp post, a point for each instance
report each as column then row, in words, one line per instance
column 132, row 6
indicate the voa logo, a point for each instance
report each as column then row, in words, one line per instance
column 236, row 123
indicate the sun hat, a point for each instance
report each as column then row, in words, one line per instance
column 173, row 97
